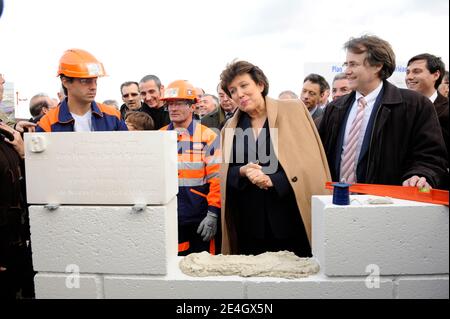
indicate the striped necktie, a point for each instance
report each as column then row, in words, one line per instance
column 349, row 161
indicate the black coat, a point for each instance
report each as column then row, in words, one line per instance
column 160, row 115
column 214, row 119
column 403, row 138
column 13, row 214
column 144, row 108
column 263, row 217
column 441, row 105
column 15, row 253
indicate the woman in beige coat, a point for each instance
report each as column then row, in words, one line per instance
column 273, row 162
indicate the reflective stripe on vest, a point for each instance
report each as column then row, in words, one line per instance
column 183, row 246
column 212, row 246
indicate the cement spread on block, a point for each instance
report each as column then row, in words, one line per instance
column 282, row 264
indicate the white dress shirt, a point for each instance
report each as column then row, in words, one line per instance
column 370, row 99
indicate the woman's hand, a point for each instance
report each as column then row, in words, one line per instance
column 256, row 176
column 263, row 181
column 243, row 170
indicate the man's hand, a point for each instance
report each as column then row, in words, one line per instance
column 208, row 227
column 22, row 125
column 17, row 143
column 420, row 182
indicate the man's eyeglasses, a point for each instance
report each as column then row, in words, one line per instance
column 127, row 95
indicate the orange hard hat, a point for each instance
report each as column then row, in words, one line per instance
column 77, row 63
column 179, row 90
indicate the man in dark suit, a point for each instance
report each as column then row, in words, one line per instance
column 211, row 114
column 443, row 87
column 381, row 134
column 227, row 104
column 424, row 75
column 131, row 98
column 313, row 91
column 16, row 269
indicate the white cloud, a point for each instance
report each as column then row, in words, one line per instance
column 195, row 39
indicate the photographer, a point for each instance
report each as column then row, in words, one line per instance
column 16, row 271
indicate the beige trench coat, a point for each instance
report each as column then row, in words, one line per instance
column 299, row 150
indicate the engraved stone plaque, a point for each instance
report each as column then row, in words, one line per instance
column 101, row 168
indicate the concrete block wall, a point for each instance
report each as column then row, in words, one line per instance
column 423, row 287
column 333, row 281
column 176, row 285
column 89, row 235
column 63, row 286
column 403, row 238
column 104, row 239
column 96, row 246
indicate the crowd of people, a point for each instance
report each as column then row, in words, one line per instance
column 248, row 164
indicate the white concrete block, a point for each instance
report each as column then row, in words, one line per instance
column 402, row 238
column 146, row 287
column 104, row 239
column 112, row 168
column 423, row 287
column 175, row 285
column 68, row 286
column 318, row 286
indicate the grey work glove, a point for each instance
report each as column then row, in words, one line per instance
column 208, row 227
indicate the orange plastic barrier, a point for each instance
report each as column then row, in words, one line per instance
column 434, row 196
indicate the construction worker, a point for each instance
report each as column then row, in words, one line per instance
column 198, row 172
column 79, row 112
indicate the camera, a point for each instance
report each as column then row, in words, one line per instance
column 4, row 133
